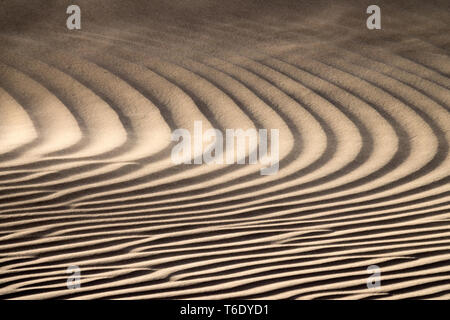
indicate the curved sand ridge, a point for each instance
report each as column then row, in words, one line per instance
column 86, row 176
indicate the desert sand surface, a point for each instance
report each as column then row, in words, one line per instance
column 86, row 177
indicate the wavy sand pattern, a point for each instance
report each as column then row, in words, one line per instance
column 86, row 176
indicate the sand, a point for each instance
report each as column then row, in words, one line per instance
column 87, row 180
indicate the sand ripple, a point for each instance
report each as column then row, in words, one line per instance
column 86, row 177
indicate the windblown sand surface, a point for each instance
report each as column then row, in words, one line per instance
column 86, row 177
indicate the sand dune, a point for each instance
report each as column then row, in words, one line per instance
column 87, row 179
